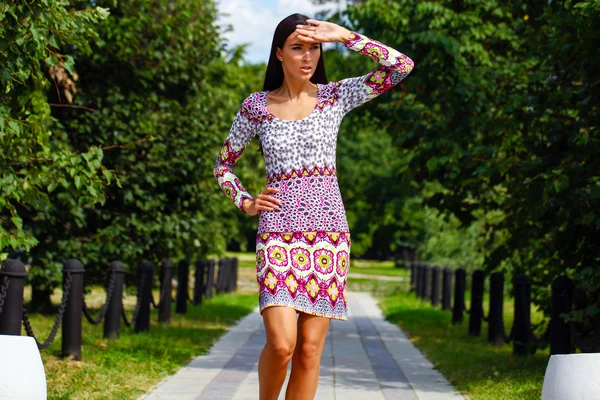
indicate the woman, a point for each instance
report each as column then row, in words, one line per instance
column 303, row 241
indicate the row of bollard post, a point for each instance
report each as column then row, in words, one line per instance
column 13, row 314
column 425, row 282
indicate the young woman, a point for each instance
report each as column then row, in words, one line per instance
column 303, row 241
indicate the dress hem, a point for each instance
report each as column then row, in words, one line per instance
column 297, row 308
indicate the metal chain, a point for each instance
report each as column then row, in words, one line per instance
column 61, row 311
column 109, row 293
column 152, row 301
column 137, row 305
column 127, row 323
column 4, row 292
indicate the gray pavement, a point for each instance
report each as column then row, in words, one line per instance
column 364, row 358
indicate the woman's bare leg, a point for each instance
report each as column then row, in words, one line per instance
column 281, row 332
column 306, row 362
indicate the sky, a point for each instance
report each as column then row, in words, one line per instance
column 254, row 22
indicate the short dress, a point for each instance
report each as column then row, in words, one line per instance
column 303, row 248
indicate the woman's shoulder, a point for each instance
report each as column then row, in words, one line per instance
column 329, row 89
column 254, row 107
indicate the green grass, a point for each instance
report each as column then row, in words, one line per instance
column 475, row 368
column 385, row 268
column 127, row 367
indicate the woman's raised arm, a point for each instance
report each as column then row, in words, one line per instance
column 353, row 92
column 394, row 67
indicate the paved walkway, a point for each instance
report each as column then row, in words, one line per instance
column 365, row 358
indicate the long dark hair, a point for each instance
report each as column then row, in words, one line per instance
column 274, row 73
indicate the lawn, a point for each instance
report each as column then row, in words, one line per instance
column 127, row 367
column 475, row 368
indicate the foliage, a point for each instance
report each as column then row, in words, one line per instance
column 34, row 167
column 159, row 93
column 500, row 113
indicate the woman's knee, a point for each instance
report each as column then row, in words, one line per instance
column 309, row 354
column 282, row 349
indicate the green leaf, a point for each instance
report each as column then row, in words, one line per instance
column 69, row 64
column 15, row 126
column 592, row 310
column 561, row 182
column 17, row 221
column 52, row 186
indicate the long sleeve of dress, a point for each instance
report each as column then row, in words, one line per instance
column 241, row 133
column 394, row 67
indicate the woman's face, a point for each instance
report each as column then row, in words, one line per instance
column 298, row 59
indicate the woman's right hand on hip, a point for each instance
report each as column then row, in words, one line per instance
column 263, row 202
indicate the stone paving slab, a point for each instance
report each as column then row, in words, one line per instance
column 365, row 357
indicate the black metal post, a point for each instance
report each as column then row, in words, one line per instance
column 199, row 281
column 413, row 276
column 166, row 289
column 236, row 267
column 496, row 333
column 112, row 320
column 145, row 275
column 221, row 274
column 230, row 284
column 226, row 275
column 423, row 281
column 183, row 275
column 447, row 289
column 419, row 282
column 427, row 282
column 522, row 334
column 562, row 299
column 71, row 323
column 435, row 285
column 476, row 311
column 12, row 280
column 459, row 296
column 210, row 278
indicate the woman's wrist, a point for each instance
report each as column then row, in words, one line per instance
column 247, row 205
column 345, row 36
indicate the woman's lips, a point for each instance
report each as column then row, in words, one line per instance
column 306, row 69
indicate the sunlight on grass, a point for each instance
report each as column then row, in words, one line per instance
column 470, row 363
column 130, row 366
column 127, row 367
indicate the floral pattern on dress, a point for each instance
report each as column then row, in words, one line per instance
column 311, row 281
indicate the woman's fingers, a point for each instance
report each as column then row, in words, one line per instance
column 306, row 27
column 271, row 199
column 307, row 39
column 265, row 206
column 271, row 190
column 266, row 202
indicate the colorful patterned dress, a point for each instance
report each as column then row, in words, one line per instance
column 303, row 248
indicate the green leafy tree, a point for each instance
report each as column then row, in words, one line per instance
column 501, row 115
column 159, row 95
column 36, row 166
